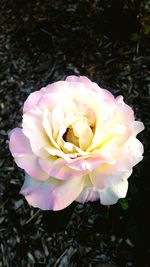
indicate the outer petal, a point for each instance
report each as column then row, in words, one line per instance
column 33, row 129
column 74, row 86
column 60, row 170
column 58, row 87
column 32, row 100
column 63, row 170
column 89, row 194
column 80, row 79
column 87, row 163
column 51, row 194
column 110, row 195
column 138, row 126
column 135, row 150
column 20, row 148
column 107, row 196
column 109, row 175
column 124, row 114
column 91, row 85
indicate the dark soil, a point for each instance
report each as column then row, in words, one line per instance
column 42, row 42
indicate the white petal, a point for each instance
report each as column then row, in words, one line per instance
column 136, row 150
column 88, row 194
column 110, row 195
column 138, row 126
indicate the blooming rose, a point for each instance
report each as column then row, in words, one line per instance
column 77, row 142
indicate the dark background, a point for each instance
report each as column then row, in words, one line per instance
column 42, row 42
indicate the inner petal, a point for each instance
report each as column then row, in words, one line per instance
column 83, row 132
column 70, row 137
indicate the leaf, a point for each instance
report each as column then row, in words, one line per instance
column 136, row 37
column 124, row 203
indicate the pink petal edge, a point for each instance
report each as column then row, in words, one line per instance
column 21, row 151
column 51, row 194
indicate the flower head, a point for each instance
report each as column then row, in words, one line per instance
column 77, row 142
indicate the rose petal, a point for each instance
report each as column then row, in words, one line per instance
column 84, row 163
column 109, row 149
column 51, row 194
column 135, row 150
column 104, row 123
column 83, row 131
column 32, row 101
column 33, row 129
column 110, row 195
column 80, row 79
column 89, row 85
column 138, row 126
column 47, row 125
column 88, row 194
column 60, row 170
column 21, row 150
column 124, row 116
column 60, row 87
column 111, row 174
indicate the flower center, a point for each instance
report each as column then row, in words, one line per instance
column 70, row 137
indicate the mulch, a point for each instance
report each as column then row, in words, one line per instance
column 42, row 42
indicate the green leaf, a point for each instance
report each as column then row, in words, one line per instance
column 136, row 37
column 124, row 203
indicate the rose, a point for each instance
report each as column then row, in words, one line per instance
column 77, row 142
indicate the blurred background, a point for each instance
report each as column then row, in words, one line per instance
column 43, row 41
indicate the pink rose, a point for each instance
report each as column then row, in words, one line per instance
column 77, row 142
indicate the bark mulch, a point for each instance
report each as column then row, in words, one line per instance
column 42, row 42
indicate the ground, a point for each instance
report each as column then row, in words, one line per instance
column 42, row 42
